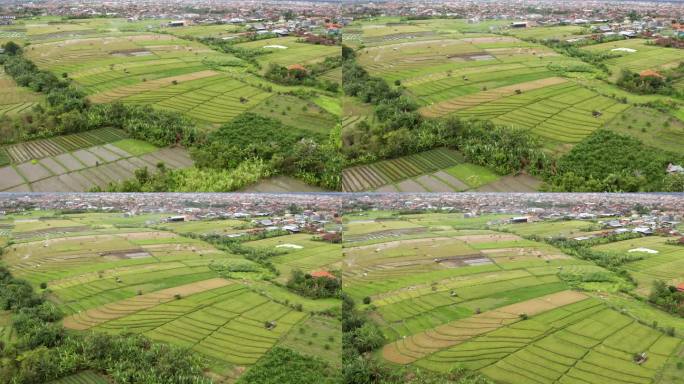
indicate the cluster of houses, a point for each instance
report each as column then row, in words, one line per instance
column 613, row 223
column 309, row 221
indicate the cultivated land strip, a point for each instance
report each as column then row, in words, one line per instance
column 445, row 107
column 115, row 310
column 414, row 347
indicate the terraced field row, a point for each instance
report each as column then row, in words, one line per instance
column 368, row 177
column 562, row 113
column 459, row 85
column 471, row 100
column 85, row 169
column 582, row 342
column 225, row 323
column 415, row 347
column 215, row 99
column 15, row 99
column 38, row 149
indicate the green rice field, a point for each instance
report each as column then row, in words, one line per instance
column 447, row 291
column 118, row 273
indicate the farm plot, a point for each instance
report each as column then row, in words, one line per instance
column 661, row 261
column 287, row 51
column 496, row 303
column 563, row 113
column 636, row 55
column 216, row 98
column 581, row 342
column 548, row 33
column 376, row 175
column 225, row 323
column 300, row 252
column 15, row 99
column 652, row 127
column 105, row 63
column 563, row 228
column 84, row 169
column 423, row 344
column 325, row 334
column 113, row 273
column 420, row 283
column 38, row 149
column 296, row 112
column 93, row 264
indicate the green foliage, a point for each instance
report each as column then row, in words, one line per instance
column 504, row 150
column 636, row 83
column 193, row 179
column 11, row 48
column 667, row 297
column 314, row 287
column 610, row 162
column 285, row 149
column 285, row 366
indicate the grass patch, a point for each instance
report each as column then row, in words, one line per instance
column 472, row 174
column 135, row 147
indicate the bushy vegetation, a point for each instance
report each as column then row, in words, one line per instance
column 193, row 179
column 635, row 82
column 607, row 161
column 314, row 287
column 45, row 352
column 304, row 75
column 285, row 366
column 574, row 49
column 505, row 150
column 667, row 298
column 285, row 149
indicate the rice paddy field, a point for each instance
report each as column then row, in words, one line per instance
column 498, row 78
column 661, row 261
column 485, row 70
column 437, row 170
column 115, row 273
column 637, row 55
column 145, row 62
column 453, row 291
column 554, row 32
column 169, row 72
column 15, row 99
column 286, row 51
column 82, row 161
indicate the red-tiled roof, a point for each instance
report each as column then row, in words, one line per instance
column 650, row 73
column 322, row 274
column 297, row 67
column 680, row 287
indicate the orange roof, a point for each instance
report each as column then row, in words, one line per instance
column 650, row 73
column 298, row 67
column 322, row 274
